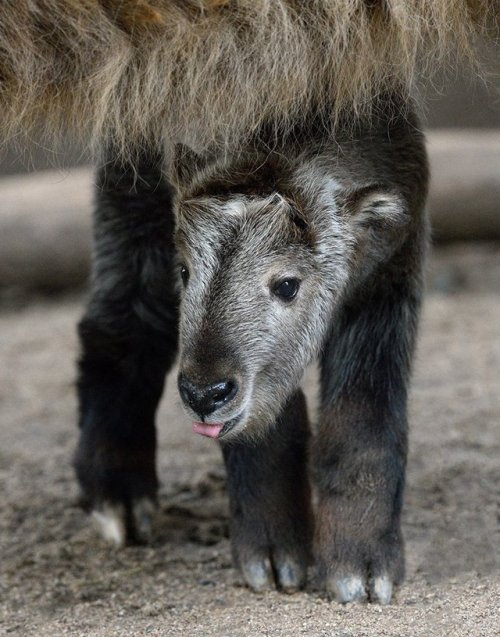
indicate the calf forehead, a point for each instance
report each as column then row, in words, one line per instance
column 237, row 230
column 235, row 251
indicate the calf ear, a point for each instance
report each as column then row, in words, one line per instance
column 379, row 217
column 376, row 207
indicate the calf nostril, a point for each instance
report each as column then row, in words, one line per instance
column 222, row 392
column 186, row 389
column 204, row 400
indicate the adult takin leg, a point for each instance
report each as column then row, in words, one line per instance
column 129, row 339
column 359, row 454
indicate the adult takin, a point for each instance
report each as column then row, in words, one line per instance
column 260, row 205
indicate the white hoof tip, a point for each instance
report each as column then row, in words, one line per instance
column 258, row 576
column 290, row 576
column 348, row 589
column 110, row 523
column 381, row 590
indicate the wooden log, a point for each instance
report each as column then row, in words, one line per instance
column 45, row 229
column 464, row 197
column 45, row 218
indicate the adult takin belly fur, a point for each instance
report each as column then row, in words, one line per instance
column 260, row 205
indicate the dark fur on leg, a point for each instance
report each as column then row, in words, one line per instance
column 269, row 493
column 129, row 340
column 359, row 455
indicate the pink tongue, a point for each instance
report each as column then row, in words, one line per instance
column 205, row 429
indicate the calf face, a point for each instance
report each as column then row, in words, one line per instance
column 262, row 277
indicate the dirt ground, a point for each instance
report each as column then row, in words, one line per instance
column 58, row 579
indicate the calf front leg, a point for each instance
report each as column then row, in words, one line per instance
column 129, row 340
column 271, row 523
column 359, row 454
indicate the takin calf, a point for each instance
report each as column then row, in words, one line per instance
column 307, row 248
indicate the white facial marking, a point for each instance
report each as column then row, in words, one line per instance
column 235, row 207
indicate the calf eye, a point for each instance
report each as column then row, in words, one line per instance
column 184, row 275
column 287, row 289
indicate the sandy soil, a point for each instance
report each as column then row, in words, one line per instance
column 58, row 579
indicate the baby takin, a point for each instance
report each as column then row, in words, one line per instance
column 254, row 265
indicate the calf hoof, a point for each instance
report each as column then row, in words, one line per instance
column 273, row 556
column 371, row 577
column 356, row 588
column 120, row 525
column 274, row 570
column 119, row 493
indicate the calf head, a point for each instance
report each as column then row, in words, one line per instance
column 262, row 277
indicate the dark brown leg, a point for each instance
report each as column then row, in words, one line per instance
column 359, row 454
column 129, row 340
column 270, row 503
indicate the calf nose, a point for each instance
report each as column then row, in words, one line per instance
column 205, row 399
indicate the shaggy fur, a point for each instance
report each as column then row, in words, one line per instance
column 212, row 71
